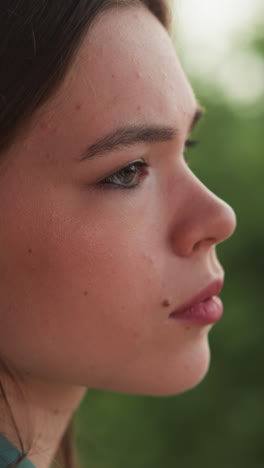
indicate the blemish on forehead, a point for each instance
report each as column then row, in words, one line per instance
column 166, row 303
column 113, row 75
column 43, row 125
column 138, row 108
column 138, row 75
column 54, row 130
column 48, row 126
column 78, row 106
column 136, row 334
column 29, row 251
column 85, row 293
column 187, row 327
column 48, row 157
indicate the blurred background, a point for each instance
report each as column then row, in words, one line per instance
column 220, row 423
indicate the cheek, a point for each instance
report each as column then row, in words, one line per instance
column 79, row 283
column 105, row 280
column 85, row 293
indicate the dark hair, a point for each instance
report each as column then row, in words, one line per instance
column 38, row 42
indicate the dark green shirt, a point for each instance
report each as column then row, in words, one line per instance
column 10, row 454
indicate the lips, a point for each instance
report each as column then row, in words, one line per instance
column 204, row 308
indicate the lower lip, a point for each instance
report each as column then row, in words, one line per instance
column 204, row 313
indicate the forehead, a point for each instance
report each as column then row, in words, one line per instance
column 126, row 72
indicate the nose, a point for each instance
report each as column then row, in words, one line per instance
column 203, row 219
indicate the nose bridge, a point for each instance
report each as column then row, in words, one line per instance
column 206, row 219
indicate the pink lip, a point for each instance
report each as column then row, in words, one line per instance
column 203, row 309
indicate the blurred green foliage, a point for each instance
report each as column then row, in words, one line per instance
column 218, row 424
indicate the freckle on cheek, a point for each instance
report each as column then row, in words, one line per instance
column 29, row 251
column 85, row 293
column 78, row 106
column 166, row 303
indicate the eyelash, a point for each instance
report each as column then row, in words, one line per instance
column 140, row 170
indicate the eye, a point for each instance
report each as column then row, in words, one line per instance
column 127, row 178
column 189, row 144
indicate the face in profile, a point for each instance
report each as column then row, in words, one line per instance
column 106, row 231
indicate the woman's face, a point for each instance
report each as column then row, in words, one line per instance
column 91, row 268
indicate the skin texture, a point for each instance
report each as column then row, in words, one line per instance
column 89, row 276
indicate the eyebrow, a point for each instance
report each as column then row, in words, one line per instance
column 130, row 135
column 199, row 113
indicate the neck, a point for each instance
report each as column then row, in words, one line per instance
column 42, row 412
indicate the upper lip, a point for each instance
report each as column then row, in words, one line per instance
column 213, row 289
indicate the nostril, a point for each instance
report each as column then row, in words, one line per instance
column 204, row 243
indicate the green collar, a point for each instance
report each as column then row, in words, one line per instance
column 10, row 454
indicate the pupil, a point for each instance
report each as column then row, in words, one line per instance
column 128, row 174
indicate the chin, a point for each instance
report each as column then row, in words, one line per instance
column 184, row 376
column 170, row 387
column 159, row 378
column 180, row 374
column 184, row 373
